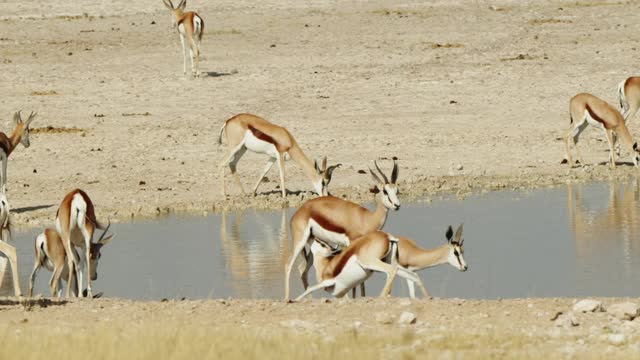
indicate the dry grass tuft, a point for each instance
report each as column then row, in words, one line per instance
column 550, row 21
column 57, row 130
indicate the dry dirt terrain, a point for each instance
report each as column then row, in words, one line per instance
column 470, row 95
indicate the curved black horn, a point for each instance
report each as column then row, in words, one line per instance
column 331, row 168
column 386, row 181
column 105, row 231
column 375, row 177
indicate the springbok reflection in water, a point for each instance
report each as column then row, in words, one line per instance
column 611, row 228
column 253, row 266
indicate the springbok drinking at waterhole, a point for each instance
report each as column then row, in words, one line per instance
column 190, row 27
column 586, row 109
column 50, row 253
column 354, row 265
column 5, row 236
column 336, row 222
column 629, row 96
column 246, row 131
column 20, row 135
column 76, row 222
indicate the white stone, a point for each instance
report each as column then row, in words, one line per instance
column 624, row 311
column 407, row 318
column 383, row 318
column 617, row 339
column 566, row 320
column 588, row 305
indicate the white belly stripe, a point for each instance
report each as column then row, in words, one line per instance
column 259, row 146
column 330, row 237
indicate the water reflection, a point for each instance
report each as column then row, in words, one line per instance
column 253, row 265
column 605, row 226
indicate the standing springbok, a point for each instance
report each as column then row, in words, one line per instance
column 5, row 236
column 190, row 26
column 19, row 135
column 50, row 253
column 246, row 131
column 76, row 222
column 629, row 96
column 354, row 265
column 586, row 109
column 336, row 222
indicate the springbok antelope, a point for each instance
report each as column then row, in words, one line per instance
column 50, row 253
column 246, row 131
column 19, row 135
column 336, row 222
column 76, row 222
column 629, row 96
column 586, row 109
column 190, row 26
column 6, row 249
column 354, row 265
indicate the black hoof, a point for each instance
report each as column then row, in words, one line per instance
column 564, row 161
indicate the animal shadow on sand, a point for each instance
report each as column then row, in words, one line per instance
column 30, row 208
column 215, row 74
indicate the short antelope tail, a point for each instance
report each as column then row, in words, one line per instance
column 621, row 96
column 221, row 132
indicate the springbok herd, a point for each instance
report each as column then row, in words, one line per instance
column 342, row 240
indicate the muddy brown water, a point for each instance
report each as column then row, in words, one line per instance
column 577, row 240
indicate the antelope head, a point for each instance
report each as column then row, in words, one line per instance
column 175, row 11
column 23, row 127
column 95, row 254
column 324, row 174
column 456, row 251
column 389, row 189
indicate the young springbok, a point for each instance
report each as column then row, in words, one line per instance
column 354, row 265
column 19, row 135
column 50, row 253
column 5, row 236
column 76, row 222
column 586, row 109
column 629, row 96
column 190, row 26
column 336, row 222
column 246, row 131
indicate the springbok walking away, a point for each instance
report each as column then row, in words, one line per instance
column 629, row 96
column 50, row 253
column 354, row 265
column 5, row 237
column 190, row 28
column 76, row 222
column 337, row 222
column 249, row 132
column 20, row 135
column 586, row 109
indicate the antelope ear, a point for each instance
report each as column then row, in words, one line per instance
column 458, row 234
column 396, row 170
column 168, row 4
column 315, row 165
column 17, row 118
column 635, row 145
column 324, row 163
column 105, row 240
column 449, row 233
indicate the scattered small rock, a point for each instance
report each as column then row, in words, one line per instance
column 617, row 339
column 459, row 167
column 407, row 318
column 383, row 318
column 142, row 182
column 588, row 305
column 624, row 311
column 566, row 320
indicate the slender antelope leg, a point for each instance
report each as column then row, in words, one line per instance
column 412, row 279
column 70, row 262
column 567, row 151
column 191, row 55
column 4, row 172
column 294, row 255
column 381, row 266
column 88, row 236
column 612, row 152
column 227, row 161
column 184, row 55
column 233, row 166
column 362, row 289
column 10, row 252
column 32, row 278
column 281, row 166
column 55, row 283
column 322, row 285
column 264, row 172
column 305, row 266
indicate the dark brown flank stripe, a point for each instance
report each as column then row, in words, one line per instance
column 5, row 144
column 328, row 225
column 343, row 260
column 596, row 117
column 262, row 136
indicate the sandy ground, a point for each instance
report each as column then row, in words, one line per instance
column 364, row 328
column 470, row 95
column 479, row 86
